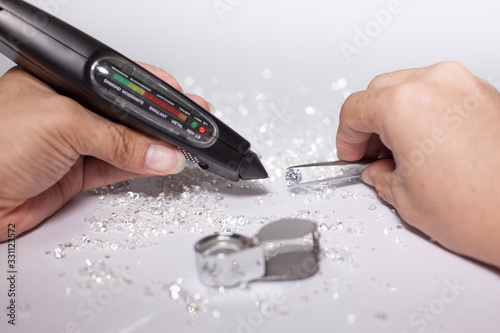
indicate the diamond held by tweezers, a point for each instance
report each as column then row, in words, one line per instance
column 293, row 176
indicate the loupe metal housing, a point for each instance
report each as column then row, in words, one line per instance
column 287, row 249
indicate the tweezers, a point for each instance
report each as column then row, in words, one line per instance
column 313, row 173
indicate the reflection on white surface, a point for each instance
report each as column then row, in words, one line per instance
column 276, row 72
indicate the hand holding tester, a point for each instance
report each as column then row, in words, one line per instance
column 108, row 83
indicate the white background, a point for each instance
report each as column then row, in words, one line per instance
column 228, row 50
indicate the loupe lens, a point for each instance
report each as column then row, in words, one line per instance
column 221, row 245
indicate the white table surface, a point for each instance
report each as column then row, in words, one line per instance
column 269, row 68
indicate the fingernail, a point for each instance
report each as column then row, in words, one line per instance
column 366, row 179
column 164, row 160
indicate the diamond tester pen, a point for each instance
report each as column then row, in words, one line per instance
column 108, row 83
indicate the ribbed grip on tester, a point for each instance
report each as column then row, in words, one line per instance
column 189, row 156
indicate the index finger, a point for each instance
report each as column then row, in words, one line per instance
column 394, row 78
column 360, row 118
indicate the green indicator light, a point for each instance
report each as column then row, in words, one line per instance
column 121, row 79
column 194, row 124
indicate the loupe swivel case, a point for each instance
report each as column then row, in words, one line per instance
column 106, row 82
column 287, row 249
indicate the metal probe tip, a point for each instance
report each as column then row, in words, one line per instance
column 252, row 167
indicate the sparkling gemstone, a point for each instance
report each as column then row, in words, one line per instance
column 293, row 176
column 59, row 253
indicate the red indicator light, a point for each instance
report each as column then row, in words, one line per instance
column 202, row 129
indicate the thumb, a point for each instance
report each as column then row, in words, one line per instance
column 380, row 174
column 123, row 147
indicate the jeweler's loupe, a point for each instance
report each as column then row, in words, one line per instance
column 286, row 249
